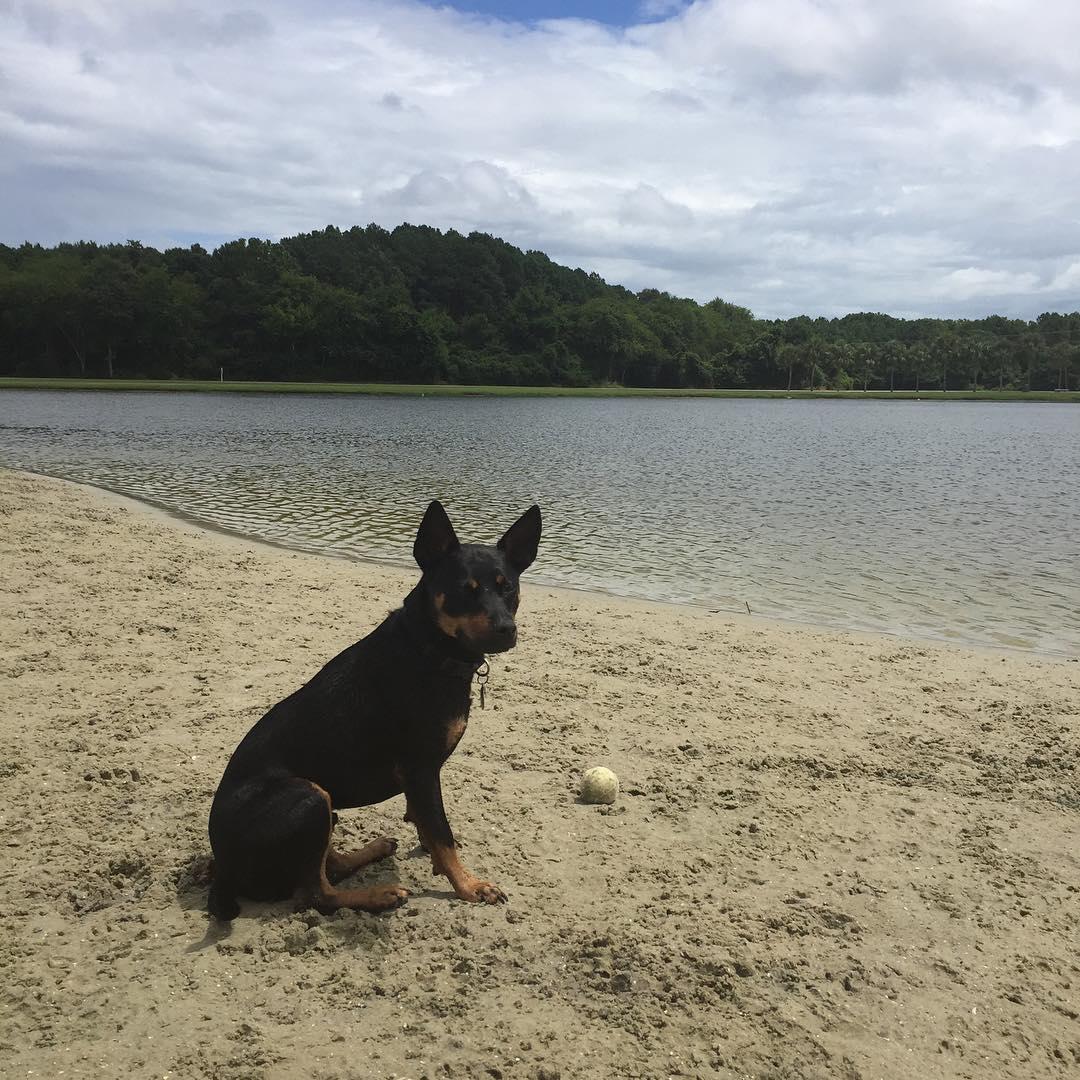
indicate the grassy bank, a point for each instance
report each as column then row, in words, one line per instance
column 445, row 390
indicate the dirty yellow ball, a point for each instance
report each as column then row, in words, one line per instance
column 599, row 785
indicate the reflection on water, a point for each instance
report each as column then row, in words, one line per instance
column 955, row 521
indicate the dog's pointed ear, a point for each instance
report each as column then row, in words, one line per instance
column 435, row 539
column 522, row 539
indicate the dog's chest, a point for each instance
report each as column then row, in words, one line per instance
column 454, row 731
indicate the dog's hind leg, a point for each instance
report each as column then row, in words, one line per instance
column 261, row 833
column 271, row 836
column 340, row 864
column 322, row 893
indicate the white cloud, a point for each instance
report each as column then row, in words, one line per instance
column 790, row 155
column 646, row 206
column 1068, row 280
column 476, row 189
column 972, row 281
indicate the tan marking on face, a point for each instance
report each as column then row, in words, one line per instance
column 470, row 627
column 473, row 583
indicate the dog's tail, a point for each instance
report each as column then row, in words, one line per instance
column 221, row 901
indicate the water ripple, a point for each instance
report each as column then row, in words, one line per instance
column 959, row 521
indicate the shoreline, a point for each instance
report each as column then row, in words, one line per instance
column 190, row 523
column 466, row 390
column 833, row 855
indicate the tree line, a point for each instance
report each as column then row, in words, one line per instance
column 415, row 304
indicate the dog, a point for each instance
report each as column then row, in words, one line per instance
column 378, row 720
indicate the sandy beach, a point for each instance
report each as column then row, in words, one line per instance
column 834, row 855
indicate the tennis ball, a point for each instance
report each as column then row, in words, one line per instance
column 599, row 785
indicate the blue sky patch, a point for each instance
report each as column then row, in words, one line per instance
column 610, row 12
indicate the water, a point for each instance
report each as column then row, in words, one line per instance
column 955, row 521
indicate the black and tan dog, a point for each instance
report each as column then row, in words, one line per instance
column 378, row 720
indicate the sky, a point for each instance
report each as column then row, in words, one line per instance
column 793, row 156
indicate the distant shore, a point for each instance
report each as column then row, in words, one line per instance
column 451, row 390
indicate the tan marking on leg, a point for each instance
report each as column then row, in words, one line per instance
column 340, row 864
column 454, row 733
column 373, row 898
column 327, row 899
column 444, row 860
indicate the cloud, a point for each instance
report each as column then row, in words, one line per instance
column 477, row 190
column 790, row 155
column 677, row 99
column 973, row 281
column 644, row 205
column 1067, row 280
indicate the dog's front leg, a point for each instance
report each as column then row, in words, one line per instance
column 423, row 793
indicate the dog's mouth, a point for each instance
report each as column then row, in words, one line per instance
column 480, row 633
column 501, row 643
column 485, row 644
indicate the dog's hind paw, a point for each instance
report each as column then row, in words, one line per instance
column 385, row 897
column 341, row 864
column 373, row 898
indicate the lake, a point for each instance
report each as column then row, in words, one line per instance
column 950, row 521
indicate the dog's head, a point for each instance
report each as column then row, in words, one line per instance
column 473, row 588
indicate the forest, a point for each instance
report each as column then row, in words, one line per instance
column 418, row 305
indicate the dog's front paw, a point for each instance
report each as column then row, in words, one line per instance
column 480, row 892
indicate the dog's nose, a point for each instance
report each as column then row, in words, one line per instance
column 505, row 630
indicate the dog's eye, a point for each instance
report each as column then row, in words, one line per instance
column 472, row 585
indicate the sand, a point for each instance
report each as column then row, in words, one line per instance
column 833, row 855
